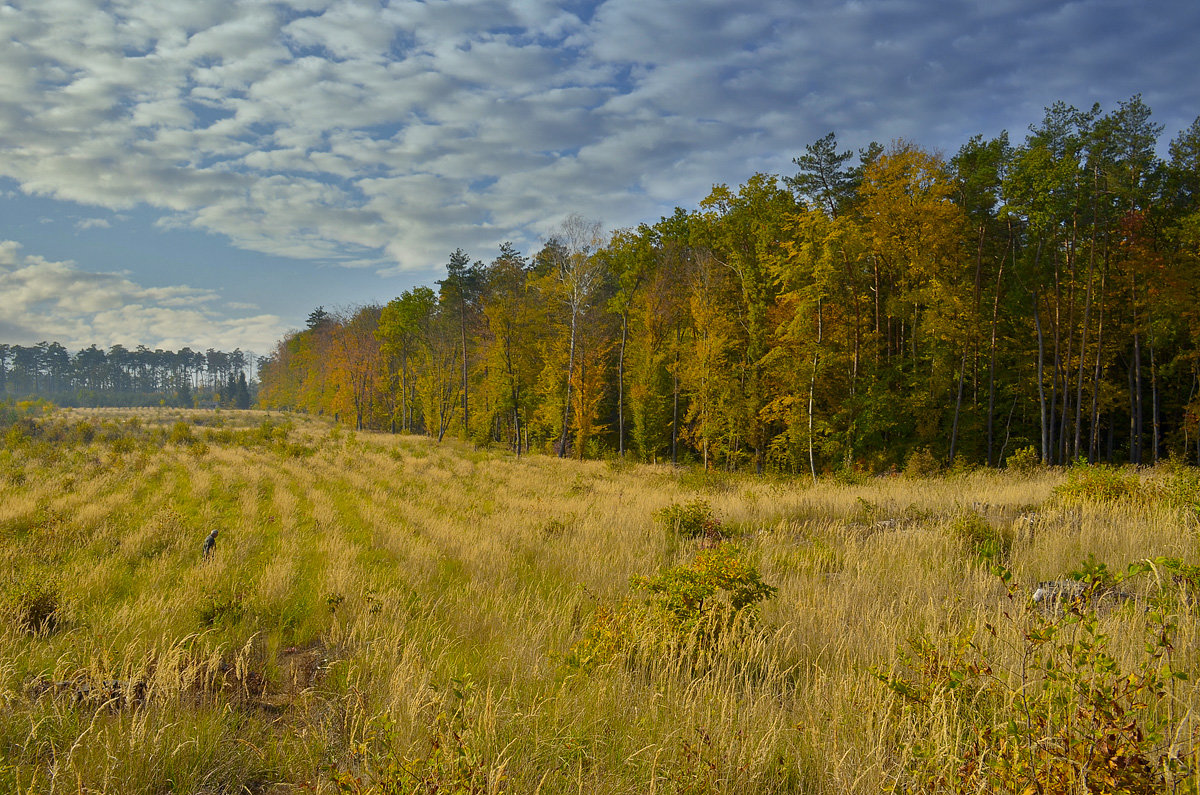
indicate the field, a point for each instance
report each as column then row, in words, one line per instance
column 385, row 614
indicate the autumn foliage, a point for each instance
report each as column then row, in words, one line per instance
column 871, row 306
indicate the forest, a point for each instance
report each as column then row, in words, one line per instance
column 123, row 377
column 876, row 308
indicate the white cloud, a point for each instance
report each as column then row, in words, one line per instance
column 354, row 131
column 58, row 301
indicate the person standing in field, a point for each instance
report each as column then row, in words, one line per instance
column 210, row 543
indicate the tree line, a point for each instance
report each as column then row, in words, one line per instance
column 872, row 306
column 123, row 377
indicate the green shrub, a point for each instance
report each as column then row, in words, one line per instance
column 921, row 463
column 1098, row 483
column 1066, row 717
column 83, row 432
column 271, row 431
column 181, row 433
column 223, row 607
column 34, row 604
column 695, row 602
column 1024, row 460
column 980, row 537
column 21, row 432
column 1095, row 573
column 718, row 580
column 689, row 520
column 1181, row 488
column 848, row 476
column 451, row 764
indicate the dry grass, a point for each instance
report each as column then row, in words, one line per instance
column 376, row 598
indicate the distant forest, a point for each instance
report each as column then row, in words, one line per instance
column 123, row 377
column 872, row 309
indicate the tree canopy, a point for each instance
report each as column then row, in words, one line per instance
column 857, row 313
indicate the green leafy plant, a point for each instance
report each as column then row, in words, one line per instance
column 34, row 603
column 1181, row 489
column 1066, row 717
column 1023, row 461
column 986, row 542
column 224, row 606
column 717, row 581
column 699, row 601
column 1098, row 483
column 921, row 463
column 181, row 433
column 689, row 520
column 1095, row 573
column 451, row 764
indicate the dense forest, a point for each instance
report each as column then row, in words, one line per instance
column 123, row 377
column 873, row 307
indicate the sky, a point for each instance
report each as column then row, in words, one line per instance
column 207, row 173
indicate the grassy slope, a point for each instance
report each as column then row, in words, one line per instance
column 383, row 598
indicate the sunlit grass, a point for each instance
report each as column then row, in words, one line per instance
column 376, row 598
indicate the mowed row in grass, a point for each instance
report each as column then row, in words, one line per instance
column 385, row 611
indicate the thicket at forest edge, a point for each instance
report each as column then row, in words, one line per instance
column 863, row 311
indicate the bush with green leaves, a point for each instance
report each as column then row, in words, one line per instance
column 181, row 433
column 717, row 581
column 451, row 764
column 1181, row 489
column 921, row 463
column 988, row 543
column 33, row 603
column 689, row 520
column 1099, row 483
column 1024, row 460
column 1060, row 715
column 696, row 602
column 224, row 606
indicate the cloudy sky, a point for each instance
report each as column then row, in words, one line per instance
column 206, row 173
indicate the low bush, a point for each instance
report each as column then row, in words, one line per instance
column 921, row 463
column 1062, row 715
column 689, row 520
column 33, row 604
column 1181, row 489
column 1098, row 483
column 224, row 606
column 718, row 581
column 689, row 604
column 1024, row 460
column 988, row 543
column 450, row 764
column 181, row 433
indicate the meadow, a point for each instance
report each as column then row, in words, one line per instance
column 384, row 614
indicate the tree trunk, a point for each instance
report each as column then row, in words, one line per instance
column 462, row 317
column 562, row 442
column 1154, row 405
column 1087, row 312
column 1133, row 428
column 675, row 400
column 812, row 388
column 992, row 370
column 516, row 397
column 404, row 392
column 962, row 367
column 1041, row 364
column 621, row 386
column 1094, row 443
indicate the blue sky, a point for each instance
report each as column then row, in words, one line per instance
column 207, row 173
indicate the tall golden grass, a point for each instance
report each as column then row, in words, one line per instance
column 385, row 611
